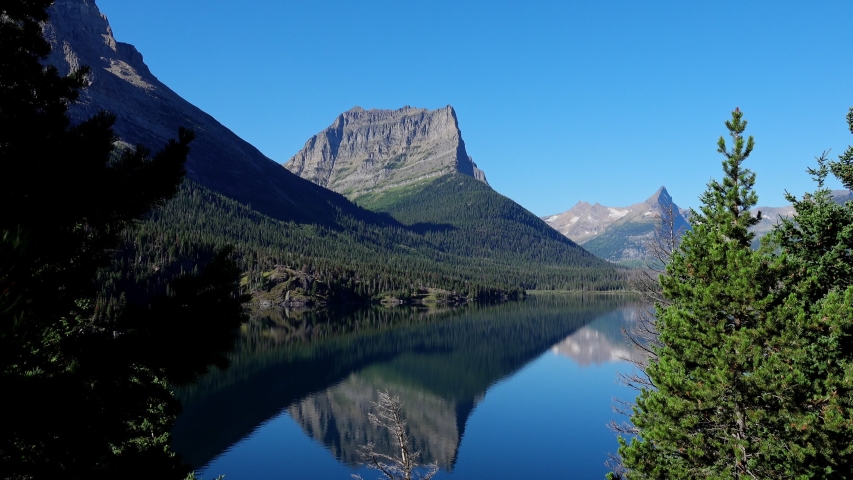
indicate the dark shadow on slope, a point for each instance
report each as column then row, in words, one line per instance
column 429, row 227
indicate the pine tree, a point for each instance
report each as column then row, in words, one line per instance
column 89, row 394
column 702, row 419
column 810, row 355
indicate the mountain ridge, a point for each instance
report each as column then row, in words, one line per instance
column 149, row 113
column 616, row 234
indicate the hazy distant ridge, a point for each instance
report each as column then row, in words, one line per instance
column 616, row 233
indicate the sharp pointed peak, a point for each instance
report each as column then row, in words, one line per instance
column 660, row 194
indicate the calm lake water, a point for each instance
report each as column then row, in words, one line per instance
column 519, row 390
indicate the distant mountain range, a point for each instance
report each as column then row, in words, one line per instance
column 771, row 215
column 617, row 234
column 432, row 220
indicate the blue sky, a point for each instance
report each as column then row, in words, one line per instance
column 557, row 101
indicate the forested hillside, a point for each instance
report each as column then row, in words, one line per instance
column 482, row 253
column 459, row 214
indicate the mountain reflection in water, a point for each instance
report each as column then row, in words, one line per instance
column 325, row 372
column 337, row 417
column 601, row 341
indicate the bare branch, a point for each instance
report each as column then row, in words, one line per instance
column 643, row 333
column 389, row 415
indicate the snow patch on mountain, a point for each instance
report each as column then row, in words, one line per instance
column 616, row 213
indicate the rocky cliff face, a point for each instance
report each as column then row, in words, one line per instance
column 150, row 113
column 616, row 233
column 374, row 150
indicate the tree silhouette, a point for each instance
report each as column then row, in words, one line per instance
column 90, row 393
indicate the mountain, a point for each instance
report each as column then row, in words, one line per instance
column 412, row 165
column 616, row 234
column 772, row 215
column 149, row 113
column 292, row 236
column 372, row 151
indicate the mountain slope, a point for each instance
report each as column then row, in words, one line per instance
column 617, row 234
column 280, row 223
column 149, row 113
column 460, row 214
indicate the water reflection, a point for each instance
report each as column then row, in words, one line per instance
column 602, row 341
column 337, row 417
column 324, row 372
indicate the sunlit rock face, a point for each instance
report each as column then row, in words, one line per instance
column 338, row 418
column 369, row 151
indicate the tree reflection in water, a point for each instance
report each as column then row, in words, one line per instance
column 325, row 372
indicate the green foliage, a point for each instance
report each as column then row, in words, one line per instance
column 813, row 363
column 360, row 258
column 88, row 393
column 755, row 375
column 380, row 201
column 458, row 214
column 702, row 419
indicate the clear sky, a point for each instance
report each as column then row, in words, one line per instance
column 562, row 101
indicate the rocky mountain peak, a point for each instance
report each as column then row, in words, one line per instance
column 369, row 151
column 660, row 196
column 634, row 224
column 81, row 35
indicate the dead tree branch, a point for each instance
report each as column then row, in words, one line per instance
column 389, row 415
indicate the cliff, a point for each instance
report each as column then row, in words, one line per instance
column 369, row 151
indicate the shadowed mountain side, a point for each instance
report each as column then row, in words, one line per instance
column 149, row 113
column 277, row 365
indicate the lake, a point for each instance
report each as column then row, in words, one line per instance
column 516, row 390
